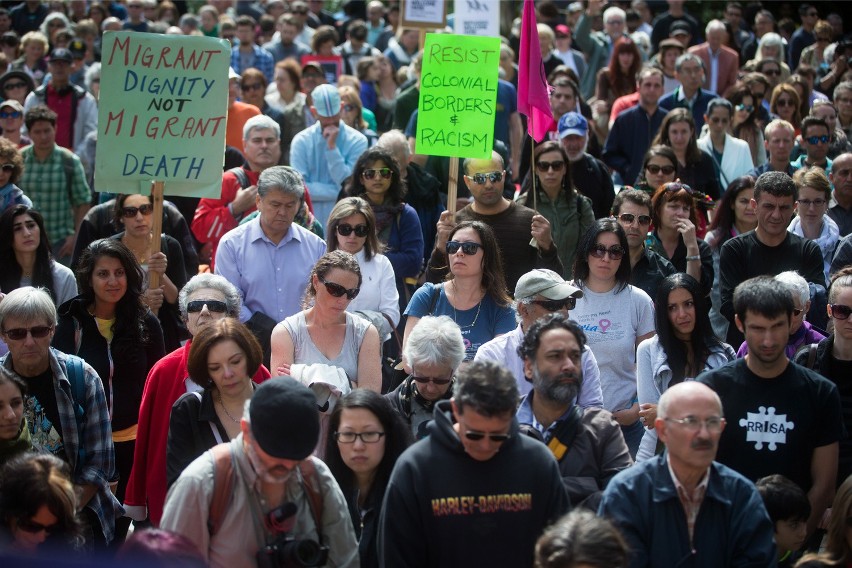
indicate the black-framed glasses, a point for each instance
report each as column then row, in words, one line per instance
column 13, row 114
column 693, row 424
column 34, row 527
column 345, row 229
column 817, row 139
column 215, row 306
column 475, row 436
column 350, row 437
column 556, row 165
column 337, row 290
column 8, row 167
column 629, row 218
column 840, row 311
column 384, row 173
column 655, row 169
column 556, row 305
column 433, row 380
column 809, row 202
column 145, row 209
column 468, row 248
column 20, row 333
column 615, row 252
column 480, row 179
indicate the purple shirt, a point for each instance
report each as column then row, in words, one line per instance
column 805, row 335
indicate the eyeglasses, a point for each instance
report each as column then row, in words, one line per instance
column 338, row 291
column 693, row 424
column 8, row 167
column 384, row 173
column 469, row 249
column 480, row 179
column 350, row 437
column 20, row 333
column 772, row 72
column 252, row 87
column 555, row 166
column 433, row 380
column 13, row 114
column 818, row 139
column 655, row 169
column 556, row 305
column 615, row 252
column 475, row 436
column 809, row 202
column 840, row 311
column 345, row 229
column 34, row 527
column 145, row 209
column 785, row 103
column 348, row 108
column 215, row 306
column 629, row 218
column 747, row 108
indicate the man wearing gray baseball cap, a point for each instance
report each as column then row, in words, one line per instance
column 540, row 292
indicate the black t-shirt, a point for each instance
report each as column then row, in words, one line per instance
column 774, row 425
column 42, row 413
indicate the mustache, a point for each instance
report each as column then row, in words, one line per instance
column 702, row 445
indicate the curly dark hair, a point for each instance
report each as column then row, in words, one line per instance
column 493, row 275
column 532, row 338
column 355, row 185
column 10, row 275
column 9, row 154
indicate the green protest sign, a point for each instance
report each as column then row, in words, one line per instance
column 162, row 113
column 458, row 95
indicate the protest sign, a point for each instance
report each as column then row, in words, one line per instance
column 430, row 14
column 458, row 93
column 162, row 113
column 477, row 17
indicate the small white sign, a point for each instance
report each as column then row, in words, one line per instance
column 477, row 17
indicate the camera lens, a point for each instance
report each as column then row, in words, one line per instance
column 303, row 553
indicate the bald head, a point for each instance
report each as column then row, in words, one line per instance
column 496, row 162
column 675, row 398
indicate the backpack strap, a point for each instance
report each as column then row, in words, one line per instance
column 223, row 484
column 311, row 487
column 241, row 176
column 436, row 293
column 812, row 353
column 68, row 167
column 76, row 375
column 216, row 435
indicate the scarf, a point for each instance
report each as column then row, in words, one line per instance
column 827, row 239
column 385, row 216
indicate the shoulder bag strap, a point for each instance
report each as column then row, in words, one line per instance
column 216, row 435
column 223, row 484
column 313, row 491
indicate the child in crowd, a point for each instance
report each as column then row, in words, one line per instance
column 789, row 509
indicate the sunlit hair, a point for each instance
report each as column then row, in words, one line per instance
column 215, row 282
column 841, row 509
column 10, row 274
column 668, row 192
column 493, row 275
column 435, row 341
column 815, row 179
column 785, row 89
column 351, row 97
column 9, row 154
column 839, row 281
column 226, row 329
column 350, row 206
column 333, row 259
column 28, row 304
column 623, row 82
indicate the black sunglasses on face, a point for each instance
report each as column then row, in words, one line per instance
column 345, row 229
column 839, row 311
column 556, row 305
column 8, row 167
column 480, row 179
column 555, row 166
column 477, row 436
column 655, row 169
column 384, row 173
column 338, row 291
column 215, row 306
column 469, row 249
column 615, row 252
column 433, row 380
column 629, row 218
column 145, row 209
column 20, row 333
column 34, row 527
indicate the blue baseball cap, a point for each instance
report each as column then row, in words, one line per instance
column 572, row 123
column 326, row 100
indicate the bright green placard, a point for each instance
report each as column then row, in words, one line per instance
column 162, row 113
column 458, row 96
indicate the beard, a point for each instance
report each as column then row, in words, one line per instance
column 266, row 475
column 562, row 388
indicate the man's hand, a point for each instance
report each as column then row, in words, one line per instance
column 540, row 231
column 445, row 227
column 330, row 134
column 67, row 248
column 244, row 200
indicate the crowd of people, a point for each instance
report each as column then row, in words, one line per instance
column 622, row 345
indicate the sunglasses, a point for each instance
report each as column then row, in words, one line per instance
column 8, row 167
column 817, row 139
column 146, row 210
column 252, row 87
column 384, row 173
column 615, row 252
column 469, row 249
column 628, row 218
column 555, row 166
column 13, row 114
column 20, row 333
column 772, row 72
column 477, row 436
column 840, row 311
column 215, row 306
column 747, row 108
column 480, row 179
column 34, row 527
column 655, row 169
column 785, row 103
column 345, row 229
column 338, row 291
column 676, row 186
column 556, row 305
column 433, row 380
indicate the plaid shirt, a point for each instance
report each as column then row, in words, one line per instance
column 96, row 437
column 47, row 185
column 262, row 60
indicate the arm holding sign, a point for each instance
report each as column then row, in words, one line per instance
column 213, row 218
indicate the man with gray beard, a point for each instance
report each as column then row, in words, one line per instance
column 587, row 443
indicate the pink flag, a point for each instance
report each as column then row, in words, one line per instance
column 533, row 90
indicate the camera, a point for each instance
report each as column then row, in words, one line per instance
column 287, row 551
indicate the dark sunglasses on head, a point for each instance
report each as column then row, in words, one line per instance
column 384, row 173
column 817, row 139
column 34, row 527
column 433, row 380
column 840, row 311
column 555, row 166
column 12, row 114
column 655, row 169
column 345, row 229
column 628, row 218
column 556, row 305
column 8, row 167
column 145, row 209
column 477, row 436
column 615, row 252
column 215, row 306
column 20, row 333
column 676, row 186
column 469, row 249
column 480, row 179
column 338, row 291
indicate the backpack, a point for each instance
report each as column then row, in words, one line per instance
column 76, row 375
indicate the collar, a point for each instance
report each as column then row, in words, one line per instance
column 681, row 96
column 255, row 233
column 679, row 488
column 525, row 415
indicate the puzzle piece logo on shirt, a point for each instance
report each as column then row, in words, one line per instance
column 765, row 426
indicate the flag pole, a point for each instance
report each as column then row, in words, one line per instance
column 532, row 169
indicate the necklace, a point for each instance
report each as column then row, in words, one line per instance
column 228, row 414
column 456, row 315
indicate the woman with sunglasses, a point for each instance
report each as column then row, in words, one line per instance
column 38, row 507
column 735, row 215
column 474, row 293
column 731, row 155
column 377, row 180
column 744, row 122
column 14, row 433
column 658, row 167
column 365, row 438
column 785, row 104
column 223, row 358
column 133, row 217
column 109, row 327
column 694, row 167
column 435, row 349
column 26, row 258
column 569, row 213
column 352, row 228
column 812, row 220
column 325, row 332
column 352, row 114
column 206, row 299
column 616, row 317
column 683, row 348
column 839, row 142
column 832, row 357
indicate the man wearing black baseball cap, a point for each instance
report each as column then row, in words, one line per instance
column 276, row 487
